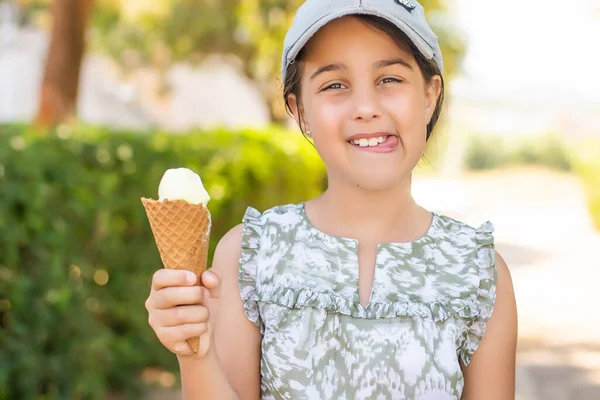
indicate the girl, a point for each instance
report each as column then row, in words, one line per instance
column 359, row 293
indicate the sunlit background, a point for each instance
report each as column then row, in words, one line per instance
column 98, row 98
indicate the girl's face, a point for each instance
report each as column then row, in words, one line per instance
column 358, row 87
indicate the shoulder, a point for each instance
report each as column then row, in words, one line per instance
column 473, row 245
column 459, row 229
column 285, row 210
column 239, row 359
column 229, row 249
column 278, row 218
column 505, row 308
column 473, row 248
column 231, row 239
column 242, row 236
column 503, row 324
column 492, row 368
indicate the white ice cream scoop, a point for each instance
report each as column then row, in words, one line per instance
column 182, row 184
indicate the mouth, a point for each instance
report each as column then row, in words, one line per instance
column 378, row 143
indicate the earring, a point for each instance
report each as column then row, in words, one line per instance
column 309, row 134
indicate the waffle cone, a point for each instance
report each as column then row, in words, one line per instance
column 181, row 231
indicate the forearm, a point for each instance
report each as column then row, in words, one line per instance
column 204, row 378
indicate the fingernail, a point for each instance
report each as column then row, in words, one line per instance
column 191, row 277
column 210, row 274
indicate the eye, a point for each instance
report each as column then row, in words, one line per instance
column 333, row 86
column 389, row 79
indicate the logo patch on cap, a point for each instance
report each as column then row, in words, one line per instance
column 408, row 4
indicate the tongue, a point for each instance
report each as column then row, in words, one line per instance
column 390, row 141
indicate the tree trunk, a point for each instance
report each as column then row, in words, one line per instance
column 58, row 97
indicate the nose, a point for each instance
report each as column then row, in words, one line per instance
column 365, row 104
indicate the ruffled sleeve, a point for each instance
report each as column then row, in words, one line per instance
column 247, row 277
column 486, row 292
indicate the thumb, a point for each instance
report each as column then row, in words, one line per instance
column 211, row 280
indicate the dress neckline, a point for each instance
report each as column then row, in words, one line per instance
column 433, row 226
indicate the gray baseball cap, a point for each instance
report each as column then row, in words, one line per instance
column 407, row 15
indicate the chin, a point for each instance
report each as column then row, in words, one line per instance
column 378, row 183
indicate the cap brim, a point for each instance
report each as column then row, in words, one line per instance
column 418, row 41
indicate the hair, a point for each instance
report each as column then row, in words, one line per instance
column 428, row 68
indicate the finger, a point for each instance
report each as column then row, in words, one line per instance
column 177, row 296
column 212, row 279
column 182, row 333
column 182, row 349
column 172, row 277
column 182, row 315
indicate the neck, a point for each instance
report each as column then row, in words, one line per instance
column 385, row 216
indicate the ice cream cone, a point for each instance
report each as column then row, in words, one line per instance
column 181, row 231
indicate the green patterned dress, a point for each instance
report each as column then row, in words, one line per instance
column 430, row 302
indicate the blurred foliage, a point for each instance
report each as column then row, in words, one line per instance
column 34, row 12
column 138, row 33
column 77, row 253
column 490, row 151
column 587, row 166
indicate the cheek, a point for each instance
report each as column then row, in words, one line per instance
column 328, row 109
column 408, row 109
column 408, row 114
column 326, row 121
column 413, row 143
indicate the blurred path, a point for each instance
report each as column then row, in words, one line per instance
column 545, row 234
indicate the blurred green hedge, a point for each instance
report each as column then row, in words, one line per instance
column 490, row 151
column 547, row 150
column 77, row 253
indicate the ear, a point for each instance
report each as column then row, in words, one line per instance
column 432, row 94
column 297, row 111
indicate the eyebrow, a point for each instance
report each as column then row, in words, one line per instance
column 327, row 68
column 378, row 65
column 394, row 61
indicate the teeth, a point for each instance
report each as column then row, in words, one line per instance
column 369, row 142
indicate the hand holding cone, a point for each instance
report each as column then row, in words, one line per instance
column 180, row 223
